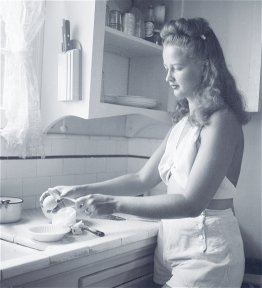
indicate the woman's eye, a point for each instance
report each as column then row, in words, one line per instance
column 178, row 68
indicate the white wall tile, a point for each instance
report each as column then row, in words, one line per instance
column 95, row 165
column 85, row 179
column 103, row 146
column 29, row 202
column 107, row 145
column 74, row 166
column 3, row 169
column 63, row 180
column 113, row 146
column 141, row 147
column 108, row 176
column 115, row 164
column 21, row 168
column 135, row 164
column 155, row 143
column 89, row 146
column 83, row 146
column 121, row 146
column 30, row 178
column 63, row 146
column 35, row 186
column 49, row 167
column 47, row 145
column 4, row 151
column 11, row 187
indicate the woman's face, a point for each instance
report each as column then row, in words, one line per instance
column 184, row 74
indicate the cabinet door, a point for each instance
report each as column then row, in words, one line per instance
column 140, row 282
column 118, row 275
column 237, row 25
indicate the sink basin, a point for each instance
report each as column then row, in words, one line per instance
column 11, row 250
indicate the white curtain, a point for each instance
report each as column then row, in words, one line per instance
column 21, row 97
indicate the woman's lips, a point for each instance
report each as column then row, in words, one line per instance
column 174, row 86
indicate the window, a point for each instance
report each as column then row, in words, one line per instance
column 2, row 62
column 21, row 63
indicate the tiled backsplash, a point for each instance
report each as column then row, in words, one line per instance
column 72, row 160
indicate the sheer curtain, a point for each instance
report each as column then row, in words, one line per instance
column 21, row 97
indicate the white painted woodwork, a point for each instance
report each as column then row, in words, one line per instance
column 113, row 267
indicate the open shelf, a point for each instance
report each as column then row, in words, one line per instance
column 130, row 46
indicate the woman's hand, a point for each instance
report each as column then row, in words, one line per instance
column 58, row 192
column 97, row 204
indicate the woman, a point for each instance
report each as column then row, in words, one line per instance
column 199, row 242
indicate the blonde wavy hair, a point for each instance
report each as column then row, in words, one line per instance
column 218, row 87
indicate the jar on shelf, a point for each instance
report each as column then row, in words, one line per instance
column 107, row 15
column 115, row 20
column 157, row 37
column 149, row 24
column 140, row 24
column 129, row 23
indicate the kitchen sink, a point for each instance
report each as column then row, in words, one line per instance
column 11, row 251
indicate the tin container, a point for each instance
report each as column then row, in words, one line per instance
column 129, row 23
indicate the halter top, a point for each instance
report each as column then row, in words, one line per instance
column 179, row 157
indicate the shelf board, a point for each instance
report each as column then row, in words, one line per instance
column 110, row 109
column 130, row 46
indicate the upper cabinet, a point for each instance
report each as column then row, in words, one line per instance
column 117, row 67
column 237, row 25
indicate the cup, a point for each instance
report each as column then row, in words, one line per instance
column 115, row 20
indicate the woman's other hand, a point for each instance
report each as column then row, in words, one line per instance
column 96, row 204
column 58, row 192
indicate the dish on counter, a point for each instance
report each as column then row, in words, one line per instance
column 48, row 232
column 136, row 101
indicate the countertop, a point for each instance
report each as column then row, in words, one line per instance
column 130, row 233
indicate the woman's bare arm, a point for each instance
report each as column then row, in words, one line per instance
column 218, row 142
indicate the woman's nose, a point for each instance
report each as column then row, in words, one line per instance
column 168, row 76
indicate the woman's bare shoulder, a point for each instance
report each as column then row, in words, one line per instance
column 225, row 125
column 225, row 119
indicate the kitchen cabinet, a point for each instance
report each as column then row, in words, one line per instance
column 122, row 266
column 117, row 64
column 237, row 25
column 113, row 63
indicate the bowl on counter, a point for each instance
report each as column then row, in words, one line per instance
column 10, row 209
column 48, row 232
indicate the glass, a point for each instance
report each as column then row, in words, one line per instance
column 115, row 20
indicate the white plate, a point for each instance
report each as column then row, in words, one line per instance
column 129, row 100
column 48, row 232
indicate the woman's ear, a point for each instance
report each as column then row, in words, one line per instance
column 204, row 65
column 205, row 70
